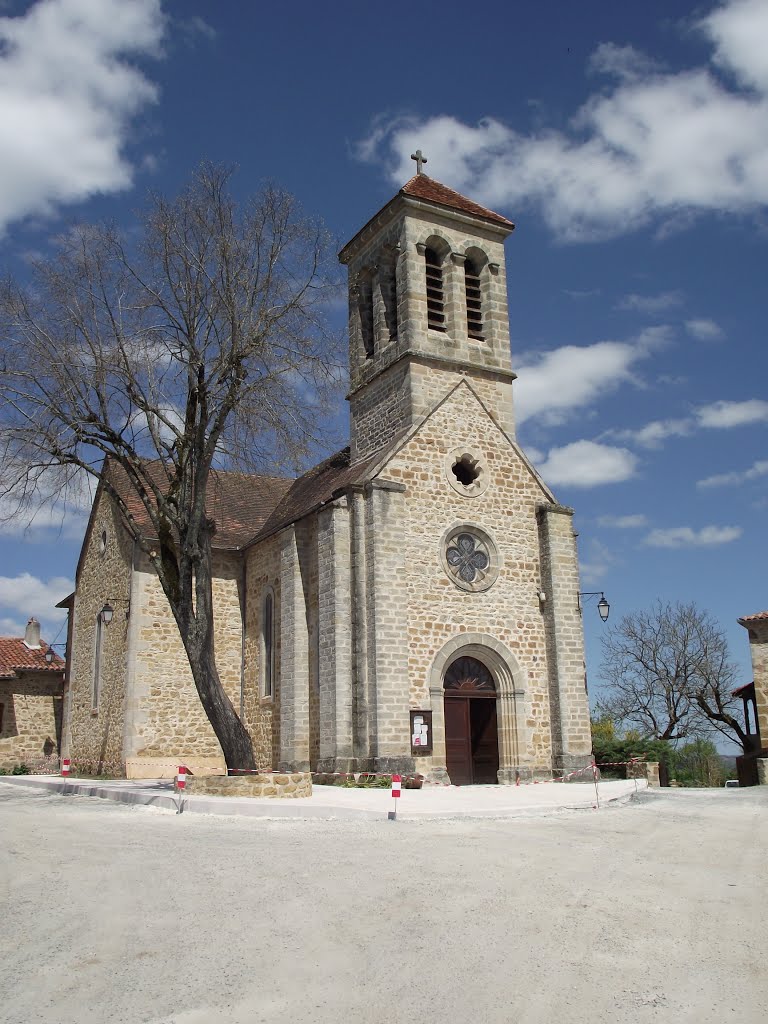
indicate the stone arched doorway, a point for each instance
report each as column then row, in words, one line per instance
column 471, row 729
column 508, row 697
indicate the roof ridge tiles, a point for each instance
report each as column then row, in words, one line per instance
column 421, row 186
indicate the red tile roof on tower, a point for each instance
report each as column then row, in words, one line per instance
column 757, row 617
column 16, row 657
column 423, row 187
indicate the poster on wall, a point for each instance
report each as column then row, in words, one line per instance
column 421, row 732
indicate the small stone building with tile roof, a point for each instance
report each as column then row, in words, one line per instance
column 754, row 766
column 31, row 691
column 409, row 604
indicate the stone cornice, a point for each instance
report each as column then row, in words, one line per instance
column 445, row 362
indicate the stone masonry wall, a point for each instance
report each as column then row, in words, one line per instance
column 431, row 383
column 571, row 730
column 387, row 525
column 30, row 708
column 437, row 609
column 758, row 647
column 334, row 555
column 167, row 716
column 381, row 411
column 95, row 735
column 262, row 714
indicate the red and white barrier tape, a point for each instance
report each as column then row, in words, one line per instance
column 617, row 764
column 396, row 780
column 66, row 764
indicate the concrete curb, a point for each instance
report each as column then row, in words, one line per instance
column 327, row 804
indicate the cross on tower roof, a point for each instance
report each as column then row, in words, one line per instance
column 419, row 160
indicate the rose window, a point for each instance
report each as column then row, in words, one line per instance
column 467, row 556
column 470, row 557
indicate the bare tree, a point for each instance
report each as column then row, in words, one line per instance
column 668, row 672
column 194, row 347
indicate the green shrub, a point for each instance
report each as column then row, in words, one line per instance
column 609, row 748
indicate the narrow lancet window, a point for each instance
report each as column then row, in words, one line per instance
column 268, row 645
column 98, row 654
column 435, row 294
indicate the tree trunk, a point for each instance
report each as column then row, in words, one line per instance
column 230, row 732
column 196, row 626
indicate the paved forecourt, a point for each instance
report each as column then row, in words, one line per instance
column 340, row 802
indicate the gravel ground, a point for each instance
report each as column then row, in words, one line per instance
column 648, row 912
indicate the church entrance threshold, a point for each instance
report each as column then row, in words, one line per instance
column 471, row 733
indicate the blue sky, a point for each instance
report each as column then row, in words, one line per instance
column 628, row 142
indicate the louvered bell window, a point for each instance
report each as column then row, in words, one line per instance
column 435, row 297
column 474, row 300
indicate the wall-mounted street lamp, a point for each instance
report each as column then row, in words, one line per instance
column 107, row 613
column 50, row 654
column 603, row 608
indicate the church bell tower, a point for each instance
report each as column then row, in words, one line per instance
column 427, row 306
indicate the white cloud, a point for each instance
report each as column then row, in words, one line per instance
column 625, row 62
column 588, row 464
column 651, row 303
column 58, row 504
column 756, row 470
column 28, row 595
column 630, row 522
column 61, row 520
column 67, row 95
column 739, row 30
column 193, row 28
column 686, row 537
column 704, row 330
column 551, row 385
column 595, row 563
column 652, row 145
column 733, row 414
column 653, row 433
column 12, row 627
column 718, row 415
column 534, row 455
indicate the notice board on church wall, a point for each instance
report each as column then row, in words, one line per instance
column 421, row 732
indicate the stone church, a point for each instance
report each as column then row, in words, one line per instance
column 409, row 604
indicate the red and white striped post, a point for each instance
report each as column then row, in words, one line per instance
column 65, row 766
column 181, row 783
column 597, row 791
column 397, row 781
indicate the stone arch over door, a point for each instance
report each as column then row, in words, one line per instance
column 509, row 681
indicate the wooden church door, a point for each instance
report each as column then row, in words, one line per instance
column 471, row 732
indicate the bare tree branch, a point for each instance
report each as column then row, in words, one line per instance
column 668, row 672
column 203, row 343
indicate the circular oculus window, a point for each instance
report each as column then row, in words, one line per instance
column 470, row 557
column 466, row 471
